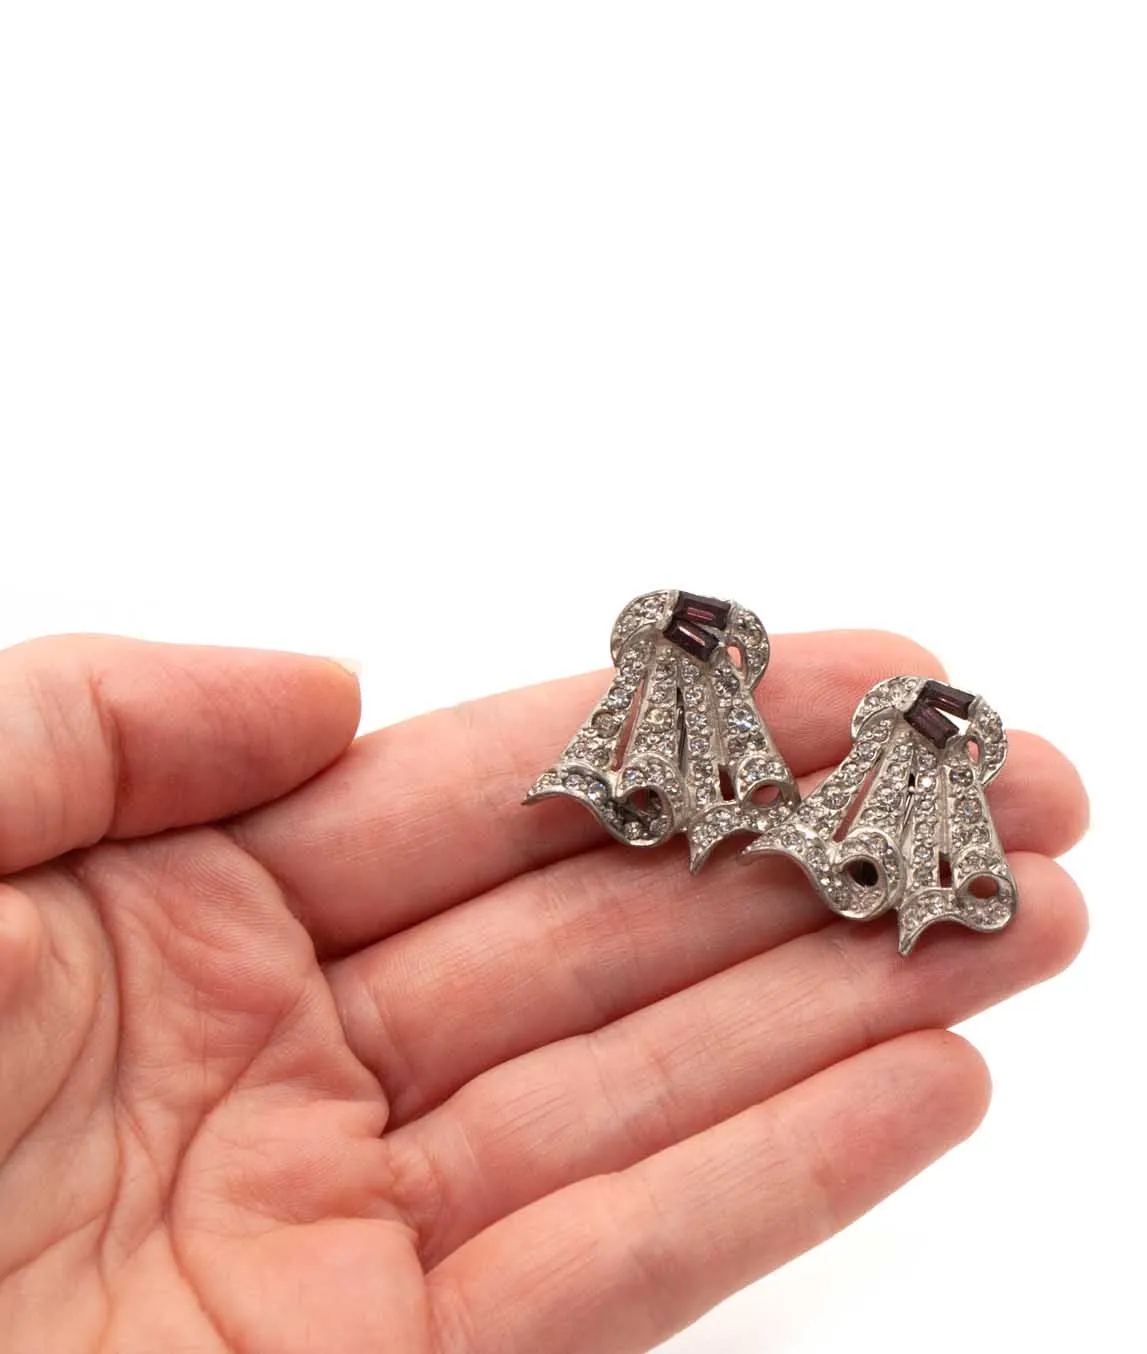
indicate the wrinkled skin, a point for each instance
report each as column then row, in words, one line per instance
column 308, row 1045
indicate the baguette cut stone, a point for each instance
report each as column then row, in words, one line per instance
column 950, row 698
column 702, row 610
column 931, row 723
column 697, row 643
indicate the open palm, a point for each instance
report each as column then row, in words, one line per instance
column 312, row 1045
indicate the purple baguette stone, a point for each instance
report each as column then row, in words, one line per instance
column 943, row 697
column 702, row 610
column 930, row 722
column 696, row 642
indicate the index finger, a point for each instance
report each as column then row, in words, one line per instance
column 102, row 736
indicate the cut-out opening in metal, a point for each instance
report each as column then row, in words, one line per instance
column 863, row 872
column 983, row 886
column 844, row 827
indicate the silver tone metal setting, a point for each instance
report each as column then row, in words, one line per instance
column 677, row 725
column 921, row 839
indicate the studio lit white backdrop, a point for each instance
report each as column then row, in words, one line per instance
column 314, row 318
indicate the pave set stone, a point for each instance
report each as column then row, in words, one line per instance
column 642, row 613
column 808, row 834
column 730, row 732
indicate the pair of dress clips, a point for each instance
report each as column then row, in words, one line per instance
column 677, row 744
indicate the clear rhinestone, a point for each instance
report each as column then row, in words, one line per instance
column 727, row 680
column 742, row 718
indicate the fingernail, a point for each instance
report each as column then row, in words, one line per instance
column 352, row 665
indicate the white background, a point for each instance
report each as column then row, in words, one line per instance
column 307, row 311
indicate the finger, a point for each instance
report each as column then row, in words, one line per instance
column 601, row 1101
column 617, row 1263
column 567, row 949
column 1039, row 802
column 116, row 737
column 429, row 812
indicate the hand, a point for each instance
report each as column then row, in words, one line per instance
column 311, row 1045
